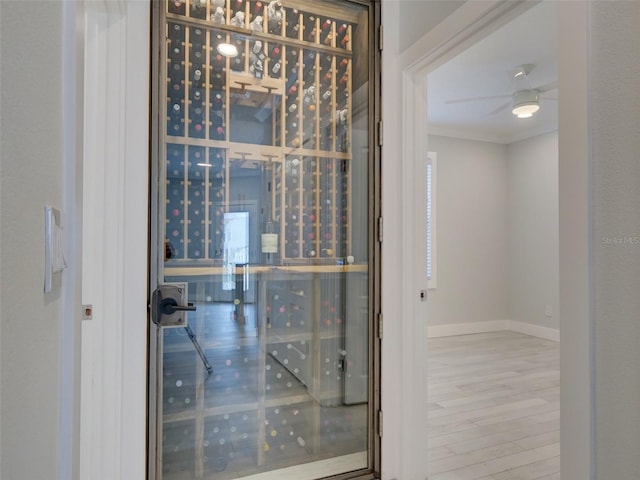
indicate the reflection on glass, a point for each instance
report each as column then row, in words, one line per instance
column 266, row 172
column 236, row 246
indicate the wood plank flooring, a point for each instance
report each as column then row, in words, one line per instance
column 494, row 407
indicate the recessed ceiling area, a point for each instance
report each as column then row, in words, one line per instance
column 470, row 96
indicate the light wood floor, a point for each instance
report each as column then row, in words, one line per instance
column 494, row 407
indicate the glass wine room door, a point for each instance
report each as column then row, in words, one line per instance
column 263, row 346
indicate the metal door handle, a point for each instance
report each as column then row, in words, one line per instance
column 166, row 307
column 170, row 305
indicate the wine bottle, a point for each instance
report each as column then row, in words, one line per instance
column 178, row 7
column 328, row 38
column 216, row 102
column 327, row 34
column 293, row 24
column 275, row 14
column 217, row 128
column 312, row 35
column 198, row 36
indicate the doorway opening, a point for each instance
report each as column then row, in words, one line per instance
column 494, row 399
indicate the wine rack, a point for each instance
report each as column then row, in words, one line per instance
column 294, row 73
column 272, row 124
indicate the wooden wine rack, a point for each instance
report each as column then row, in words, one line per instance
column 294, row 69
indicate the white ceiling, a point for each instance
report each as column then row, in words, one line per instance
column 486, row 69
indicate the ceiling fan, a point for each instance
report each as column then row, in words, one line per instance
column 525, row 100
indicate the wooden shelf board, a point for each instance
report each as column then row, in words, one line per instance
column 216, row 271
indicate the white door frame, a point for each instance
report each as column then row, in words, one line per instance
column 115, row 175
column 467, row 25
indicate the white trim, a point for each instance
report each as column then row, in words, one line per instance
column 539, row 331
column 133, row 443
column 413, row 256
column 454, row 329
column 464, row 27
column 114, row 247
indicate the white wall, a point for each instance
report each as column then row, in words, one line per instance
column 31, row 149
column 471, row 231
column 418, row 17
column 615, row 177
column 533, row 269
column 497, row 236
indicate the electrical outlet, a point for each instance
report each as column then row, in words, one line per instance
column 548, row 311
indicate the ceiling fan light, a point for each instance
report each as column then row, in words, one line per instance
column 525, row 110
column 525, row 103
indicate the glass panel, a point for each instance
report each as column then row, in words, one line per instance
column 266, row 172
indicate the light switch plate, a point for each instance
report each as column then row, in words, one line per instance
column 53, row 246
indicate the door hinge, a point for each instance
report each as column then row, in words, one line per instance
column 380, row 326
column 380, row 423
column 380, row 133
column 380, row 229
column 380, row 38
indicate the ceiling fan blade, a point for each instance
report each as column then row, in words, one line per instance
column 475, row 99
column 548, row 87
column 501, row 108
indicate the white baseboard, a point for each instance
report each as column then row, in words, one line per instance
column 494, row 326
column 535, row 330
column 467, row 328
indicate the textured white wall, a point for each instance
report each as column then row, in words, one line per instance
column 471, row 232
column 30, row 321
column 533, row 270
column 615, row 141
